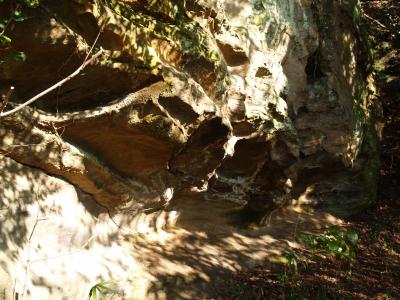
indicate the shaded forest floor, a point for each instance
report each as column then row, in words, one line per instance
column 374, row 272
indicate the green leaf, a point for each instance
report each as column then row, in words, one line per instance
column 333, row 247
column 106, row 289
column 29, row 3
column 352, row 237
column 4, row 40
column 347, row 255
column 18, row 16
column 93, row 293
column 335, row 231
column 3, row 22
column 308, row 239
column 18, row 56
column 322, row 239
column 101, row 289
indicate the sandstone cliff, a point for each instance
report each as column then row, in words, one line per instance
column 257, row 102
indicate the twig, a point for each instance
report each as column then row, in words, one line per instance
column 94, row 43
column 376, row 21
column 28, row 260
column 68, row 253
column 86, row 62
column 53, row 87
column 9, row 20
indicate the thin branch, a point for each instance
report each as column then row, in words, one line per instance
column 28, row 260
column 53, row 87
column 81, row 248
column 94, row 43
column 376, row 21
column 86, row 62
column 10, row 19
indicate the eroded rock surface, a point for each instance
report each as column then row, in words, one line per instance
column 57, row 243
column 258, row 102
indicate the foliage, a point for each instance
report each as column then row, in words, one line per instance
column 29, row 3
column 237, row 290
column 291, row 268
column 4, row 40
column 334, row 241
column 177, row 33
column 101, row 289
column 15, row 14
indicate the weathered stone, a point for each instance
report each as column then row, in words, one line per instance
column 6, row 286
column 241, row 99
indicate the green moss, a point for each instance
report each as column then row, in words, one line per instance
column 364, row 106
column 371, row 164
column 369, row 149
column 188, row 36
column 163, row 128
column 157, row 123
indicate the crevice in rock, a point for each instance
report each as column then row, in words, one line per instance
column 179, row 110
column 242, row 129
column 266, row 193
column 263, row 72
column 72, row 97
column 202, row 154
column 121, row 106
column 312, row 169
column 314, row 67
column 233, row 56
column 134, row 153
column 281, row 154
column 46, row 151
column 245, row 160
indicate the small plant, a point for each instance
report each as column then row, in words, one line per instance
column 334, row 241
column 15, row 14
column 290, row 268
column 292, row 262
column 100, row 290
column 237, row 290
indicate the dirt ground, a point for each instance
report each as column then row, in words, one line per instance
column 374, row 273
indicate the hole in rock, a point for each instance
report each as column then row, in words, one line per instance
column 219, row 186
column 203, row 152
column 314, row 169
column 244, row 162
column 243, row 128
column 129, row 151
column 263, row 72
column 280, row 153
column 313, row 68
column 233, row 56
column 84, row 92
column 149, row 108
column 270, row 177
column 178, row 109
column 302, row 110
column 209, row 132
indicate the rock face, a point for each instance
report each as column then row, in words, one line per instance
column 259, row 102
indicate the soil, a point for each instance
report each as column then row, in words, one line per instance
column 374, row 273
